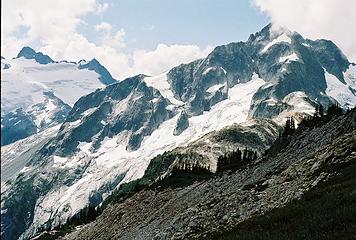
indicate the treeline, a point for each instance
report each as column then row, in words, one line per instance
column 193, row 168
column 184, row 174
column 289, row 127
column 321, row 116
column 235, row 160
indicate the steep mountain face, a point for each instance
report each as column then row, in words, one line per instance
column 40, row 92
column 130, row 106
column 287, row 63
column 204, row 209
column 110, row 135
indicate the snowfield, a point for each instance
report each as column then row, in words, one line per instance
column 23, row 84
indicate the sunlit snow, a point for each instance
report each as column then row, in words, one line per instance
column 23, row 84
column 350, row 76
column 215, row 88
column 160, row 82
column 281, row 38
column 339, row 91
column 289, row 58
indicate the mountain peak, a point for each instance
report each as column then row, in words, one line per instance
column 105, row 76
column 29, row 53
column 94, row 61
column 26, row 52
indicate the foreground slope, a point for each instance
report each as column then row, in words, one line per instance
column 110, row 135
column 313, row 157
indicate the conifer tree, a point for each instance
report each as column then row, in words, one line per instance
column 321, row 110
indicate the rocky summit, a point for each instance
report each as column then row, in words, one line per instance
column 89, row 143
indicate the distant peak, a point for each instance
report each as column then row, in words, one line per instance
column 94, row 60
column 82, row 61
column 105, row 76
column 26, row 52
column 29, row 53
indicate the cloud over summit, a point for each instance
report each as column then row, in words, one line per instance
column 314, row 19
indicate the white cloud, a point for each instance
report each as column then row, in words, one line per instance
column 100, row 8
column 328, row 19
column 54, row 25
column 47, row 21
column 115, row 40
column 165, row 57
column 103, row 26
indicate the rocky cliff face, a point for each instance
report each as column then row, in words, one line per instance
column 110, row 135
column 217, row 205
column 129, row 107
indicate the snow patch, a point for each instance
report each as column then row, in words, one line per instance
column 208, row 70
column 271, row 101
column 225, row 70
column 299, row 101
column 289, row 58
column 215, row 88
column 85, row 147
column 350, row 76
column 160, row 82
column 45, row 114
column 170, row 107
column 25, row 169
column 88, row 112
column 74, row 124
column 339, row 91
column 281, row 38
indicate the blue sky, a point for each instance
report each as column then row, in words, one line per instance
column 199, row 22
